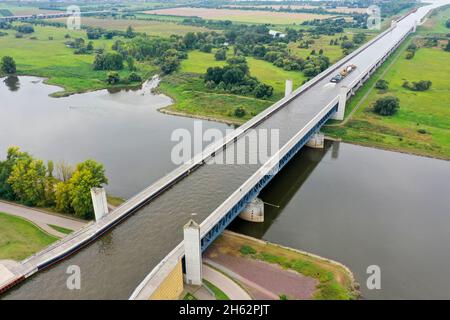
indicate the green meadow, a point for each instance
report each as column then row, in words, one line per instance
column 54, row 60
column 20, row 238
column 191, row 97
column 421, row 125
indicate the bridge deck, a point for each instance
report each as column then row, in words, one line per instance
column 115, row 264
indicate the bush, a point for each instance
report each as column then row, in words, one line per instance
column 409, row 55
column 134, row 77
column 113, row 78
column 8, row 65
column 387, row 106
column 421, row 85
column 108, row 61
column 221, row 54
column 382, row 85
column 245, row 249
column 240, row 112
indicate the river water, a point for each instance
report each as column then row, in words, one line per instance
column 357, row 205
column 121, row 129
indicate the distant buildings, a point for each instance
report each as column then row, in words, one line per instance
column 276, row 34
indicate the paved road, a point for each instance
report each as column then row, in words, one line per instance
column 42, row 219
column 228, row 286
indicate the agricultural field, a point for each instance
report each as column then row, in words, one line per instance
column 19, row 10
column 151, row 27
column 62, row 67
column 295, row 6
column 421, row 124
column 244, row 16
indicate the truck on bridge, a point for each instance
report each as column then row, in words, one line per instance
column 343, row 73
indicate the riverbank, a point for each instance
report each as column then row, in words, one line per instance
column 271, row 271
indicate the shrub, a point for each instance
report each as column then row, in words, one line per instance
column 245, row 249
column 221, row 55
column 134, row 77
column 8, row 65
column 240, row 112
column 386, row 106
column 382, row 85
column 113, row 78
column 421, row 85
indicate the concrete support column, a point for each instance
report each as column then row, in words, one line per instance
column 254, row 211
column 317, row 141
column 100, row 203
column 339, row 115
column 415, row 26
column 288, row 88
column 393, row 24
column 192, row 253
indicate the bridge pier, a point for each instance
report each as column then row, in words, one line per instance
column 100, row 203
column 339, row 115
column 393, row 24
column 254, row 211
column 288, row 88
column 192, row 253
column 415, row 26
column 317, row 141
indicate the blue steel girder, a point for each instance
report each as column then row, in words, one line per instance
column 256, row 189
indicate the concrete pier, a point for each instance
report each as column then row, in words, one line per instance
column 288, row 88
column 339, row 115
column 100, row 203
column 192, row 253
column 317, row 141
column 254, row 211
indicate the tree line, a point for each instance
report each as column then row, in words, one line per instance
column 32, row 182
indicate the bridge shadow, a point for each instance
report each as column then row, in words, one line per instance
column 278, row 193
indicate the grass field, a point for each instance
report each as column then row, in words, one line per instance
column 20, row 238
column 333, row 52
column 436, row 22
column 422, row 124
column 191, row 97
column 335, row 282
column 198, row 62
column 246, row 16
column 151, row 27
column 19, row 10
column 52, row 59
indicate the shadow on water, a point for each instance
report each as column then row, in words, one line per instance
column 12, row 82
column 283, row 187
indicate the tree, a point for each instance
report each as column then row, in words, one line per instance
column 88, row 174
column 189, row 40
column 382, row 85
column 240, row 112
column 169, row 64
column 113, row 78
column 263, row 91
column 130, row 32
column 108, row 61
column 28, row 181
column 447, row 47
column 387, row 106
column 13, row 156
column 359, row 38
column 62, row 197
column 221, row 54
column 8, row 65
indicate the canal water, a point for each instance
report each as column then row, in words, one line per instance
column 121, row 129
column 357, row 205
column 362, row 207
